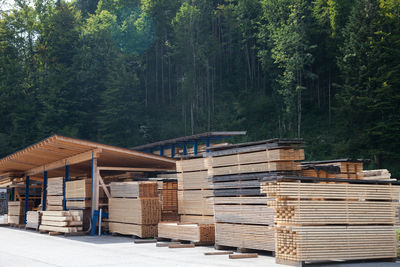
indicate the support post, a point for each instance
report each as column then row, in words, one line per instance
column 44, row 202
column 172, row 151
column 208, row 144
column 26, row 197
column 195, row 147
column 184, row 152
column 161, row 151
column 12, row 194
column 66, row 179
column 95, row 193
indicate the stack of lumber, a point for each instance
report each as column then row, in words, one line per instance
column 55, row 191
column 307, row 216
column 3, row 219
column 61, row 221
column 243, row 217
column 195, row 194
column 378, row 175
column 78, row 194
column 16, row 211
column 33, row 219
column 339, row 169
column 134, row 209
column 203, row 233
column 169, row 200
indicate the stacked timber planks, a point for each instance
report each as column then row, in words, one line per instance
column 55, row 194
column 61, row 221
column 333, row 221
column 195, row 194
column 33, row 219
column 16, row 211
column 134, row 209
column 243, row 217
column 195, row 204
column 169, row 200
column 78, row 194
column 203, row 233
column 339, row 169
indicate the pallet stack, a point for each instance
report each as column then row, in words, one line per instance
column 16, row 211
column 195, row 204
column 55, row 192
column 61, row 221
column 244, row 220
column 333, row 221
column 134, row 209
column 169, row 200
column 33, row 219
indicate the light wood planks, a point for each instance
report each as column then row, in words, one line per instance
column 203, row 233
column 137, row 211
column 61, row 221
column 33, row 219
column 315, row 243
column 259, row 237
column 195, row 202
column 250, row 214
column 134, row 189
column 78, row 189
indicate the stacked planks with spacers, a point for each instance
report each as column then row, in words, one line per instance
column 55, row 194
column 134, row 208
column 333, row 220
column 244, row 220
column 195, row 204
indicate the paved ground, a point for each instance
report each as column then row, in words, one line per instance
column 30, row 249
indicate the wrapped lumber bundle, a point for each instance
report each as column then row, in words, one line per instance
column 16, row 211
column 307, row 216
column 134, row 209
column 61, row 221
column 77, row 194
column 243, row 217
column 203, row 234
column 195, row 197
column 33, row 219
column 339, row 168
column 55, row 192
column 378, row 175
column 4, row 219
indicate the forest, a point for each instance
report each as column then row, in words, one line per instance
column 130, row 72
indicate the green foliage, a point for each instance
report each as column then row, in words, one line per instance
column 128, row 72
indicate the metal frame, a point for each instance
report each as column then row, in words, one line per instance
column 44, row 202
column 26, row 197
column 66, row 179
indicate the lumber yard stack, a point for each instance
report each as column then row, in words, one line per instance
column 381, row 175
column 332, row 221
column 16, row 211
column 195, row 204
column 134, row 208
column 78, row 197
column 69, row 221
column 168, row 192
column 55, row 194
column 244, row 219
column 338, row 168
column 33, row 219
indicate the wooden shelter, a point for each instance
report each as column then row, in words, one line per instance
column 64, row 156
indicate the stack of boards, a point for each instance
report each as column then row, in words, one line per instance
column 333, row 221
column 195, row 205
column 78, row 194
column 169, row 200
column 61, row 221
column 33, row 219
column 16, row 211
column 55, row 192
column 134, row 208
column 243, row 217
column 339, row 169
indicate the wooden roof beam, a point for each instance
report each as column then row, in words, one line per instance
column 128, row 169
column 85, row 156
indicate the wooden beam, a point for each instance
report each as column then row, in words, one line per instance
column 104, row 168
column 95, row 184
column 85, row 156
column 17, row 195
column 103, row 185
